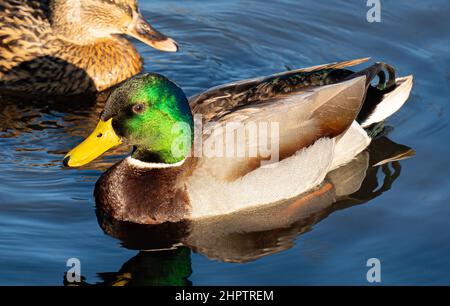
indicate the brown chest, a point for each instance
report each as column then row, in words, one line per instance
column 147, row 196
column 105, row 63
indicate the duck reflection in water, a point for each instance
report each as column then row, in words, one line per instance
column 164, row 256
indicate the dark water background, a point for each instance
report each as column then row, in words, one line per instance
column 47, row 213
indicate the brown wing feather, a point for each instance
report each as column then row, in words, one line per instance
column 302, row 119
column 221, row 100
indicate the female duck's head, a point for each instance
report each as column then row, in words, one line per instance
column 85, row 21
column 149, row 112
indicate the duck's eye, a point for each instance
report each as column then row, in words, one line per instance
column 128, row 10
column 138, row 108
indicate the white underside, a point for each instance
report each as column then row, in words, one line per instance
column 292, row 176
column 288, row 178
column 353, row 142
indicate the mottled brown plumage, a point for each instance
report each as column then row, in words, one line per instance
column 58, row 47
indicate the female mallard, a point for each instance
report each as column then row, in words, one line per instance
column 312, row 112
column 60, row 47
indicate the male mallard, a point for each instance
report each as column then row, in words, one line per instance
column 60, row 47
column 312, row 112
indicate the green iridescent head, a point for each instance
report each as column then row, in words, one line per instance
column 152, row 113
column 149, row 112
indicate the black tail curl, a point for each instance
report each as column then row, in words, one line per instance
column 379, row 69
column 374, row 95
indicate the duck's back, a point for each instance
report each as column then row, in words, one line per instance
column 27, row 63
column 35, row 60
column 23, row 26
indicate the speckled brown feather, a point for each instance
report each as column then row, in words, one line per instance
column 34, row 60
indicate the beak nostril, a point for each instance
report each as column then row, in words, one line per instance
column 99, row 135
column 66, row 161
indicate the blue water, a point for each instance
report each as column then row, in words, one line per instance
column 47, row 213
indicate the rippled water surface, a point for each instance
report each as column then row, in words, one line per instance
column 400, row 214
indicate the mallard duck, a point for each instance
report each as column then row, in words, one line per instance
column 318, row 113
column 61, row 47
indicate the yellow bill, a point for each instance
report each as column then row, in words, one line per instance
column 101, row 140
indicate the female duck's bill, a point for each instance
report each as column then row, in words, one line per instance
column 118, row 17
column 140, row 29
